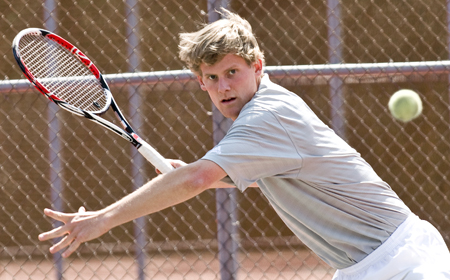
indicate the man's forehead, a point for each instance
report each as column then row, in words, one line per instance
column 228, row 62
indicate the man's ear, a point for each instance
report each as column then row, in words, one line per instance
column 258, row 67
column 200, row 81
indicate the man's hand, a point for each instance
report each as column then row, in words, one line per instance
column 175, row 163
column 78, row 228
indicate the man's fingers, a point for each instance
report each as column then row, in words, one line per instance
column 78, row 228
column 59, row 231
column 72, row 248
column 57, row 215
column 69, row 241
column 64, row 242
column 54, row 233
column 176, row 163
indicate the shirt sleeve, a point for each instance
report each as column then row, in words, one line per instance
column 256, row 147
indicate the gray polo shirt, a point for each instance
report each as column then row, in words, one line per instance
column 320, row 187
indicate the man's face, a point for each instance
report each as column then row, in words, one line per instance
column 230, row 83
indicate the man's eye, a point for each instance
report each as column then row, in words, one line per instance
column 232, row 71
column 212, row 77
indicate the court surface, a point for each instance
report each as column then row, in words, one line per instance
column 256, row 265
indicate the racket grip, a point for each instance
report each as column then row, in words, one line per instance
column 155, row 158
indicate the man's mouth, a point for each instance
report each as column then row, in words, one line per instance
column 228, row 100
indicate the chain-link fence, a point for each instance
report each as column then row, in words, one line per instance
column 345, row 60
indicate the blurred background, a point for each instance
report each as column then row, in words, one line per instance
column 49, row 158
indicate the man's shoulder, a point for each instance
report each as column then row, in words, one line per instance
column 272, row 97
column 267, row 85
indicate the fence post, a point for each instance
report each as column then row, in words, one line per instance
column 134, row 56
column 335, row 57
column 225, row 198
column 54, row 150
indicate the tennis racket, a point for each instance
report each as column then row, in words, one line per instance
column 66, row 76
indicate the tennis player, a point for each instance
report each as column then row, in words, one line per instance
column 322, row 189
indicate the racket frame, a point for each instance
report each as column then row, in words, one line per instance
column 127, row 132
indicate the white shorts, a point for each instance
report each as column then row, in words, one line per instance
column 416, row 250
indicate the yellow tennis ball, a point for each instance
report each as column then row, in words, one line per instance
column 405, row 105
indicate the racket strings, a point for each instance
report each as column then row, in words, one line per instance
column 62, row 73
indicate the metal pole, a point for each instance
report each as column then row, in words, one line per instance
column 350, row 73
column 335, row 57
column 226, row 203
column 132, row 32
column 54, row 151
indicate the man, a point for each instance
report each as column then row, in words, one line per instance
column 320, row 186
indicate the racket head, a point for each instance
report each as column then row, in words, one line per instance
column 60, row 71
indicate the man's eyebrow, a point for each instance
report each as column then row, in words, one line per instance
column 233, row 66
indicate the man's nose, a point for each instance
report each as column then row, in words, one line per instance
column 224, row 85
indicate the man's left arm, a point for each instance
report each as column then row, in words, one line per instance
column 162, row 192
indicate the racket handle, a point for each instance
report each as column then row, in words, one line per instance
column 155, row 158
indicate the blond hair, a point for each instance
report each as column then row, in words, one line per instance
column 229, row 35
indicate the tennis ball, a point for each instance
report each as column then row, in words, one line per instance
column 405, row 105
